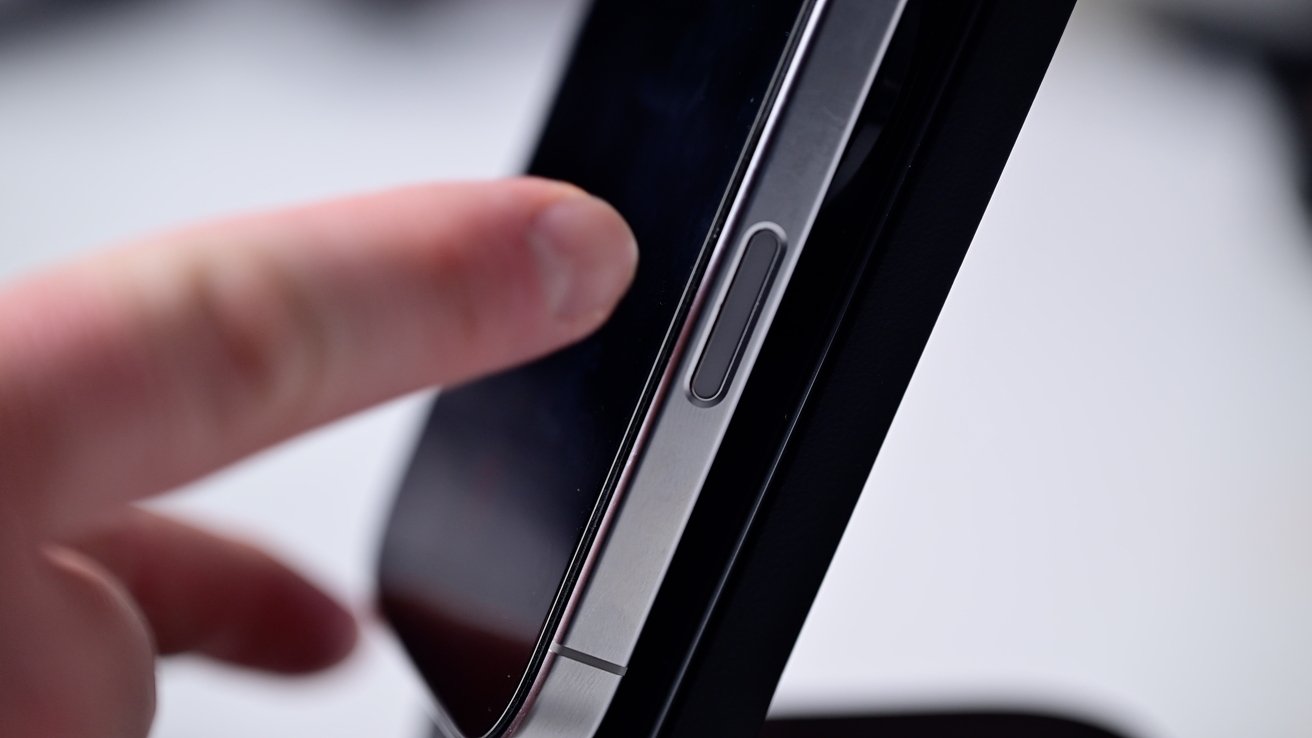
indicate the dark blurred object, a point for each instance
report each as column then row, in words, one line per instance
column 945, row 725
column 1294, row 75
column 1285, row 25
column 1279, row 32
column 20, row 18
column 26, row 17
column 17, row 13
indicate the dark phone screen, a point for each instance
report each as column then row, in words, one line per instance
column 660, row 103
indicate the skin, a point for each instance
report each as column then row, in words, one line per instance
column 130, row 373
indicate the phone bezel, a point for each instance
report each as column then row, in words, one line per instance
column 807, row 432
column 577, row 663
column 821, row 94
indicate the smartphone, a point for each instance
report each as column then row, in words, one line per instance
column 542, row 507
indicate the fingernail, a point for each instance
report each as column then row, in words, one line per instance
column 586, row 256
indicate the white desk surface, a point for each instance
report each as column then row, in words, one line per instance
column 1098, row 493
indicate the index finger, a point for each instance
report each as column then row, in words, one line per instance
column 136, row 371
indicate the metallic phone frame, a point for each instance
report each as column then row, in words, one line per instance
column 825, row 85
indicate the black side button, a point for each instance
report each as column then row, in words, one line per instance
column 737, row 316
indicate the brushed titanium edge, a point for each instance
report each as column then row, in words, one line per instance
column 824, row 89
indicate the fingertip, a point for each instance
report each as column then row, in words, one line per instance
column 341, row 636
column 330, row 635
column 309, row 632
column 518, row 268
column 586, row 255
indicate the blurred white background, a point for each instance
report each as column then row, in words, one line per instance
column 1097, row 495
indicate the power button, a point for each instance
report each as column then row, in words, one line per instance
column 737, row 316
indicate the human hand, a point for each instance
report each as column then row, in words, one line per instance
column 130, row 373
